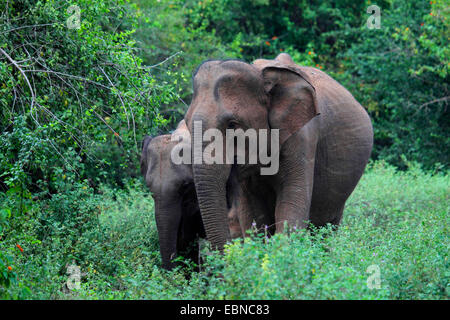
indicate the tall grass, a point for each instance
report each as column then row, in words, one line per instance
column 395, row 229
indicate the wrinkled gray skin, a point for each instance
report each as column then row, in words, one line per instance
column 176, row 208
column 326, row 139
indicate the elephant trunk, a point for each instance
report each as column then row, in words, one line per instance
column 168, row 216
column 210, row 182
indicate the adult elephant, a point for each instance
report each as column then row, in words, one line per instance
column 325, row 141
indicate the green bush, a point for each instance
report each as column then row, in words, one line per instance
column 395, row 221
column 110, row 237
column 263, row 28
column 400, row 73
column 73, row 94
column 175, row 47
column 74, row 104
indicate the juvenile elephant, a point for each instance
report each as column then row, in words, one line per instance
column 176, row 208
column 325, row 139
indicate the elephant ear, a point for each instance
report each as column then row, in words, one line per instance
column 293, row 99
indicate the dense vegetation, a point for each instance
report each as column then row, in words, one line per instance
column 75, row 103
column 395, row 222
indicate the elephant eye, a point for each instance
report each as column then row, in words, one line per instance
column 232, row 124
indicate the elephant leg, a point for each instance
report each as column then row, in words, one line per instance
column 191, row 226
column 320, row 209
column 188, row 238
column 251, row 201
column 236, row 205
column 295, row 179
column 260, row 198
column 334, row 181
column 244, row 214
column 341, row 158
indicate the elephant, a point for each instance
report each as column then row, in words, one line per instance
column 177, row 212
column 325, row 141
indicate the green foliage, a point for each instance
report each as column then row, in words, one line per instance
column 400, row 73
column 7, row 275
column 264, row 28
column 397, row 221
column 73, row 94
column 111, row 237
column 75, row 103
column 168, row 40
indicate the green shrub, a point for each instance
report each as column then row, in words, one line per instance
column 394, row 222
column 110, row 237
column 167, row 39
column 82, row 91
column 400, row 73
column 74, row 104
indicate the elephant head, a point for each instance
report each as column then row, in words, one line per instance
column 231, row 94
